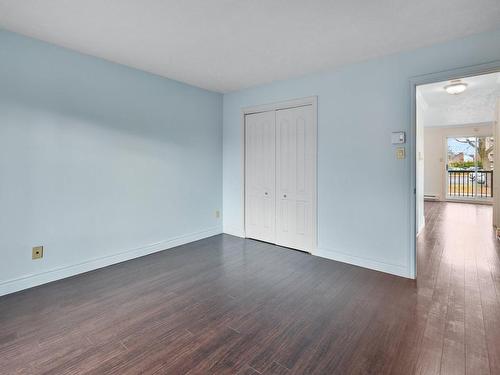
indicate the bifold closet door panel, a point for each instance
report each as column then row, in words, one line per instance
column 260, row 176
column 295, row 176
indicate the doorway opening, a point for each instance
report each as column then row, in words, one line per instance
column 457, row 122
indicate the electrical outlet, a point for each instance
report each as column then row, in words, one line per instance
column 217, row 214
column 37, row 252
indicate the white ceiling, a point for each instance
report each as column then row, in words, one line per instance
column 474, row 106
column 226, row 45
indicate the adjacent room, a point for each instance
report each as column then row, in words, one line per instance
column 457, row 206
column 249, row 187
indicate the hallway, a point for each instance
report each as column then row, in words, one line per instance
column 459, row 286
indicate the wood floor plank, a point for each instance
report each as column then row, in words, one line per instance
column 476, row 350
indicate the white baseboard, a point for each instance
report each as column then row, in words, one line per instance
column 432, row 197
column 29, row 281
column 234, row 231
column 393, row 269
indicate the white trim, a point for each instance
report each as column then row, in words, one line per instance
column 468, row 125
column 29, row 281
column 394, row 269
column 234, row 231
column 310, row 100
column 491, row 67
column 242, row 176
column 486, row 201
column 432, row 196
column 422, row 101
column 293, row 103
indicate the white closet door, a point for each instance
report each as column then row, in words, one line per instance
column 295, row 177
column 260, row 206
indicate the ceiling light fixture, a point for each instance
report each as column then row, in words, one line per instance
column 456, row 87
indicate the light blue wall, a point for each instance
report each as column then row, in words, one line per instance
column 363, row 191
column 97, row 159
column 101, row 163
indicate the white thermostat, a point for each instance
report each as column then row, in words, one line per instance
column 398, row 138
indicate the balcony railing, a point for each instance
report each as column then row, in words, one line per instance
column 470, row 184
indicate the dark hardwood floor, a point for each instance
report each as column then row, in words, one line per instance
column 225, row 305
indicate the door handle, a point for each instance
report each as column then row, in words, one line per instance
column 284, row 195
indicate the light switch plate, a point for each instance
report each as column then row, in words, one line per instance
column 400, row 153
column 398, row 138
